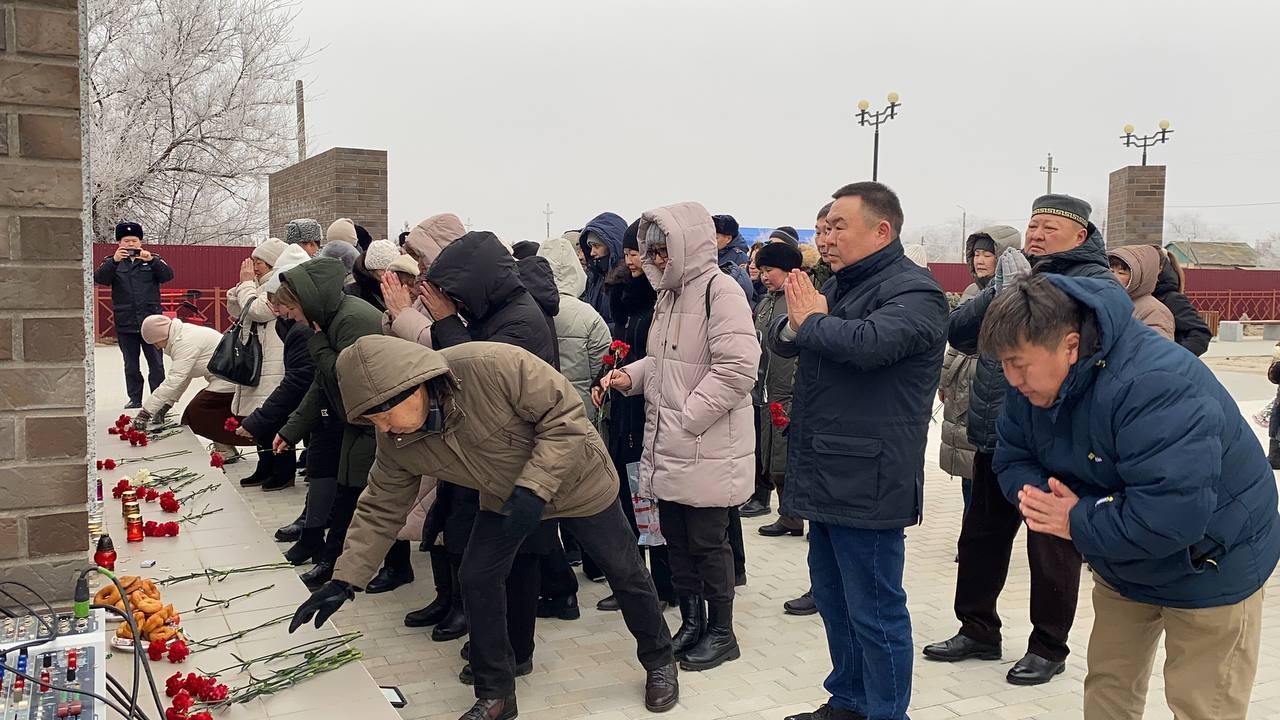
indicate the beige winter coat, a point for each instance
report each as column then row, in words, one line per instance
column 1144, row 271
column 252, row 295
column 511, row 420
column 699, row 434
column 189, row 348
column 424, row 244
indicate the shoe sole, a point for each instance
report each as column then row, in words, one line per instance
column 958, row 658
column 663, row 707
column 1031, row 683
column 699, row 667
column 273, row 488
column 369, row 591
column 800, row 613
column 446, row 638
column 792, row 533
column 755, row 514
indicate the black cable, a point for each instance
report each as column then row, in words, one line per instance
column 117, row 691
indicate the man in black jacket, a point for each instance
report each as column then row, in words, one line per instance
column 134, row 275
column 869, row 353
column 1061, row 240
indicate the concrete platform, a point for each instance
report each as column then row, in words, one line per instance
column 586, row 669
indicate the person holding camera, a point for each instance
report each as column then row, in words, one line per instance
column 134, row 275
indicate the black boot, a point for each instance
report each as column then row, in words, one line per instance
column 693, row 623
column 283, row 472
column 1274, row 455
column 308, row 547
column 492, row 709
column 262, row 473
column 291, row 532
column 454, row 624
column 318, row 575
column 439, row 608
column 718, row 644
column 389, row 578
column 565, row 608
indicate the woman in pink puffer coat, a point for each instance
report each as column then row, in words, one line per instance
column 699, row 437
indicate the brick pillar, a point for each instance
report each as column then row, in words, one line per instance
column 43, row 433
column 1135, row 206
column 342, row 182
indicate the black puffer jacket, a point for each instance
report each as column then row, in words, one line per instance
column 299, row 371
column 135, row 289
column 1189, row 329
column 986, row 395
column 540, row 280
column 478, row 272
column 632, row 300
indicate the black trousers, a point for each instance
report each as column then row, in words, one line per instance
column 130, row 343
column 490, row 556
column 764, row 487
column 736, row 545
column 986, row 542
column 698, row 544
column 558, row 580
column 345, row 500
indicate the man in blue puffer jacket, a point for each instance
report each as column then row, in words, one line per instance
column 1128, row 446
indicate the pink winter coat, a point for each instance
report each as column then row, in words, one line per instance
column 699, row 433
column 424, row 244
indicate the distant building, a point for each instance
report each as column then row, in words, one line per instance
column 1195, row 254
column 752, row 234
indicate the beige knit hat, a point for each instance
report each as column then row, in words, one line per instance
column 269, row 251
column 404, row 264
column 342, row 230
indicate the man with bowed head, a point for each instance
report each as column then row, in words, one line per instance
column 869, row 352
column 1131, row 449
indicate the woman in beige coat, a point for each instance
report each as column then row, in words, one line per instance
column 1137, row 268
column 699, row 454
column 248, row 301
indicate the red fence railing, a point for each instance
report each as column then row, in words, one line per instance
column 1234, row 304
column 206, row 307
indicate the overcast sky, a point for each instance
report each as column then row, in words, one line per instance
column 492, row 109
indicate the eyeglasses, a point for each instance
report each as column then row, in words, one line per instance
column 658, row 251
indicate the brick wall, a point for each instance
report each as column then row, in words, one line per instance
column 43, row 362
column 342, row 182
column 1135, row 206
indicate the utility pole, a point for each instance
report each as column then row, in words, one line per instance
column 302, row 121
column 548, row 212
column 964, row 228
column 1049, row 170
column 468, row 223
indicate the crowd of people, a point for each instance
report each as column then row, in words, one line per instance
column 621, row 396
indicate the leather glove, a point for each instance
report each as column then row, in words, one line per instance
column 524, row 511
column 322, row 604
column 140, row 420
column 1011, row 265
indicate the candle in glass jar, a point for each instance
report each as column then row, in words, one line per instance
column 126, row 497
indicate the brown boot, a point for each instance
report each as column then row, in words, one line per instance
column 661, row 689
column 492, row 709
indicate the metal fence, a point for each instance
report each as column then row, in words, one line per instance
column 1235, row 304
column 206, row 307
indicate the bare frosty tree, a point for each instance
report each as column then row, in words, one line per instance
column 190, row 107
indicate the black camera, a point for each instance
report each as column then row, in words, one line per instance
column 133, row 252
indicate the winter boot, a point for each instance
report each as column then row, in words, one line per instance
column 262, row 473
column 308, row 547
column 1274, row 455
column 693, row 623
column 435, row 612
column 718, row 644
column 454, row 624
column 283, row 472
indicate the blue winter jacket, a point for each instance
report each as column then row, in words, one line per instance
column 864, row 386
column 1177, row 501
column 610, row 228
column 733, row 259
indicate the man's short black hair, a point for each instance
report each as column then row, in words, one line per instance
column 822, row 213
column 881, row 202
column 1031, row 311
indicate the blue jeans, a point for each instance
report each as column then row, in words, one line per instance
column 857, row 586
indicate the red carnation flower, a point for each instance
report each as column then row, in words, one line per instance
column 144, row 441
column 608, row 360
column 231, row 424
column 620, row 348
column 109, row 464
column 100, row 465
column 174, row 713
column 151, row 528
column 183, row 700
column 123, row 420
column 113, row 430
column 178, row 651
column 155, row 651
column 173, row 684
column 169, row 529
column 169, row 503
column 216, row 460
column 202, row 715
column 778, row 415
column 150, row 494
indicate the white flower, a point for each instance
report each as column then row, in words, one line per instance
column 142, row 477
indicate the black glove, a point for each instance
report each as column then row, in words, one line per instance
column 322, row 604
column 524, row 511
column 140, row 420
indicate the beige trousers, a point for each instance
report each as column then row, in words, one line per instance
column 1212, row 657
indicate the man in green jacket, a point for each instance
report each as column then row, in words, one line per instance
column 492, row 417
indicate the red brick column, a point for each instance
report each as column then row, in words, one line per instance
column 342, row 182
column 1135, row 206
column 43, row 433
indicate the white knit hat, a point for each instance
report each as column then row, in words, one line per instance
column 269, row 251
column 292, row 257
column 380, row 255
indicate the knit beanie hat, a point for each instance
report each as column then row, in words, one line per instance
column 786, row 234
column 525, row 249
column 343, row 251
column 303, row 230
column 781, row 255
column 269, row 251
column 984, row 242
column 404, row 264
column 155, row 328
column 725, row 225
column 128, row 229
column 630, row 239
column 292, row 257
column 341, row 230
column 380, row 255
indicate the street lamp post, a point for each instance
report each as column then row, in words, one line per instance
column 964, row 225
column 1146, row 141
column 876, row 119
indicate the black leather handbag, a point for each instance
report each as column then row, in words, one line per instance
column 236, row 361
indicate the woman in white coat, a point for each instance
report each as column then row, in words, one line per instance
column 248, row 301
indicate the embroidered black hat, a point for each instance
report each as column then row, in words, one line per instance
column 1071, row 208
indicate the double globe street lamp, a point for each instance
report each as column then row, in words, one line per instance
column 876, row 119
column 1146, row 141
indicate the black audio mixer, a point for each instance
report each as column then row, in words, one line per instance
column 76, row 660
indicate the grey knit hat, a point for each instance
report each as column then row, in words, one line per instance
column 303, row 230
